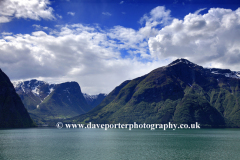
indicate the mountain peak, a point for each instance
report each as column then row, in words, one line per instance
column 182, row 61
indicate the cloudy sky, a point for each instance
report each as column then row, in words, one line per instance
column 100, row 44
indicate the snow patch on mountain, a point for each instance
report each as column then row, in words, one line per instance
column 182, row 60
column 226, row 73
column 33, row 86
column 90, row 97
column 35, row 90
column 17, row 83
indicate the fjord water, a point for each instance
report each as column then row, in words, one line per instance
column 62, row 144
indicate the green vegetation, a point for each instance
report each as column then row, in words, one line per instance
column 179, row 93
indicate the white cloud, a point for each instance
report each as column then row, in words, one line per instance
column 129, row 39
column 74, row 53
column 39, row 27
column 36, row 26
column 85, row 54
column 71, row 13
column 59, row 16
column 106, row 13
column 4, row 19
column 136, row 41
column 157, row 18
column 200, row 10
column 206, row 39
column 158, row 15
column 6, row 33
column 121, row 2
column 99, row 60
column 28, row 9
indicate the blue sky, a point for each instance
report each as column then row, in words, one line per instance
column 124, row 13
column 100, row 44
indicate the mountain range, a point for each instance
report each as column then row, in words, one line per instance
column 13, row 114
column 46, row 101
column 181, row 92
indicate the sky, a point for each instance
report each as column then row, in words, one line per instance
column 100, row 44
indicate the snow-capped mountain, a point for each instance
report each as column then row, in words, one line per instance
column 217, row 71
column 39, row 89
column 94, row 100
column 225, row 72
column 51, row 101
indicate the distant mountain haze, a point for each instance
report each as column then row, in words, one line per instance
column 94, row 100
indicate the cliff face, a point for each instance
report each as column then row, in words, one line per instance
column 13, row 114
column 65, row 101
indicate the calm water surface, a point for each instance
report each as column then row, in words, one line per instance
column 91, row 144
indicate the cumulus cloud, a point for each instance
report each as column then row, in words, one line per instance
column 99, row 60
column 28, row 9
column 129, row 39
column 106, row 13
column 71, row 13
column 158, row 15
column 210, row 39
column 136, row 41
column 157, row 18
column 72, row 53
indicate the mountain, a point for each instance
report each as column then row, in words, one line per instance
column 94, row 100
column 51, row 101
column 181, row 92
column 33, row 92
column 13, row 114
